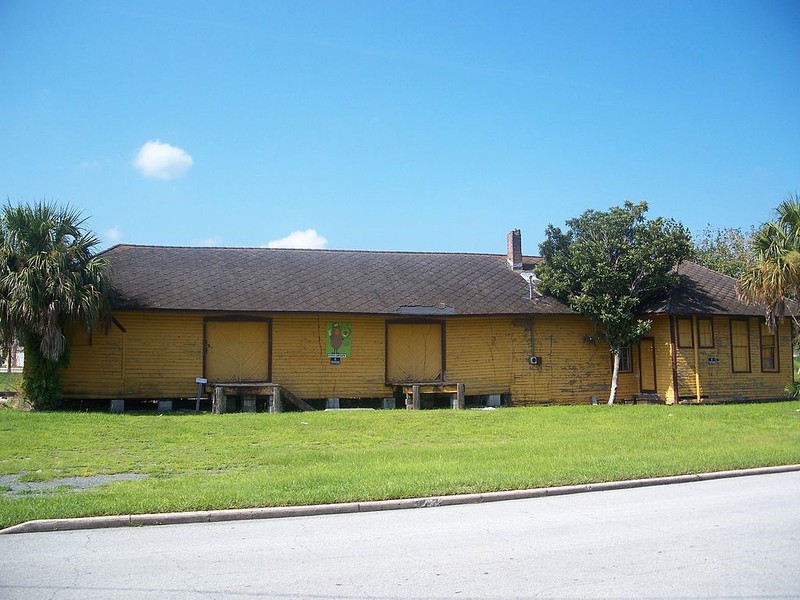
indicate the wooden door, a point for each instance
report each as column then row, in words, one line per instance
column 414, row 352
column 237, row 351
column 647, row 365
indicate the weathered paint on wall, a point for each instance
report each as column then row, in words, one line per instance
column 300, row 362
column 152, row 355
column 480, row 354
column 148, row 355
column 161, row 354
column 95, row 364
column 575, row 364
column 715, row 366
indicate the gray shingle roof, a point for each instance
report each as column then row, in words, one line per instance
column 330, row 281
column 361, row 282
column 703, row 291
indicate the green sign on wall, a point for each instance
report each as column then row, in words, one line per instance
column 337, row 342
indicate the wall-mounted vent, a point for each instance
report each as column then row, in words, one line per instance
column 439, row 309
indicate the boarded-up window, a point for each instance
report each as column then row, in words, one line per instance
column 685, row 332
column 769, row 350
column 414, row 352
column 237, row 351
column 740, row 346
column 705, row 332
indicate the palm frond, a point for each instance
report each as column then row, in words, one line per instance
column 773, row 275
column 49, row 275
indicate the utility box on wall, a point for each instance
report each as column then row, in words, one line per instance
column 535, row 360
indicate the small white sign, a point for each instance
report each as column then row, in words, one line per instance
column 200, row 380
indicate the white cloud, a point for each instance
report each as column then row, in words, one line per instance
column 300, row 239
column 210, row 241
column 113, row 235
column 158, row 160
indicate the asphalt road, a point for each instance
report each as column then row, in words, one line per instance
column 728, row 538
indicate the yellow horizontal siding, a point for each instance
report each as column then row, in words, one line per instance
column 300, row 362
column 719, row 380
column 161, row 354
column 157, row 355
column 575, row 365
column 94, row 369
column 479, row 353
column 573, row 369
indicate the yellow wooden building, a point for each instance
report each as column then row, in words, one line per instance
column 365, row 328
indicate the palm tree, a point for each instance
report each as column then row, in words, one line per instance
column 50, row 278
column 773, row 276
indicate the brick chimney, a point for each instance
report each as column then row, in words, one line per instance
column 515, row 249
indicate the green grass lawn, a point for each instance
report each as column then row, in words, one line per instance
column 198, row 462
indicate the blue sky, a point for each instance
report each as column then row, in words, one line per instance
column 396, row 125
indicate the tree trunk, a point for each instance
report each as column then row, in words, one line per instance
column 614, row 378
column 39, row 377
column 12, row 355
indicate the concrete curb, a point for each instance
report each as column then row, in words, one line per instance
column 212, row 516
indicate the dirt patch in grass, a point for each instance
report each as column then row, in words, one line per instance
column 16, row 484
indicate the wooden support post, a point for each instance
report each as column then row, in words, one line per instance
column 276, row 403
column 219, row 402
column 457, row 399
column 415, row 398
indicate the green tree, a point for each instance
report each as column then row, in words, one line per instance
column 50, row 278
column 725, row 250
column 607, row 265
column 773, row 274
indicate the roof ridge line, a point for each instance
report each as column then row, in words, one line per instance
column 320, row 250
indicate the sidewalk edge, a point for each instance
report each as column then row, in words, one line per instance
column 210, row 516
